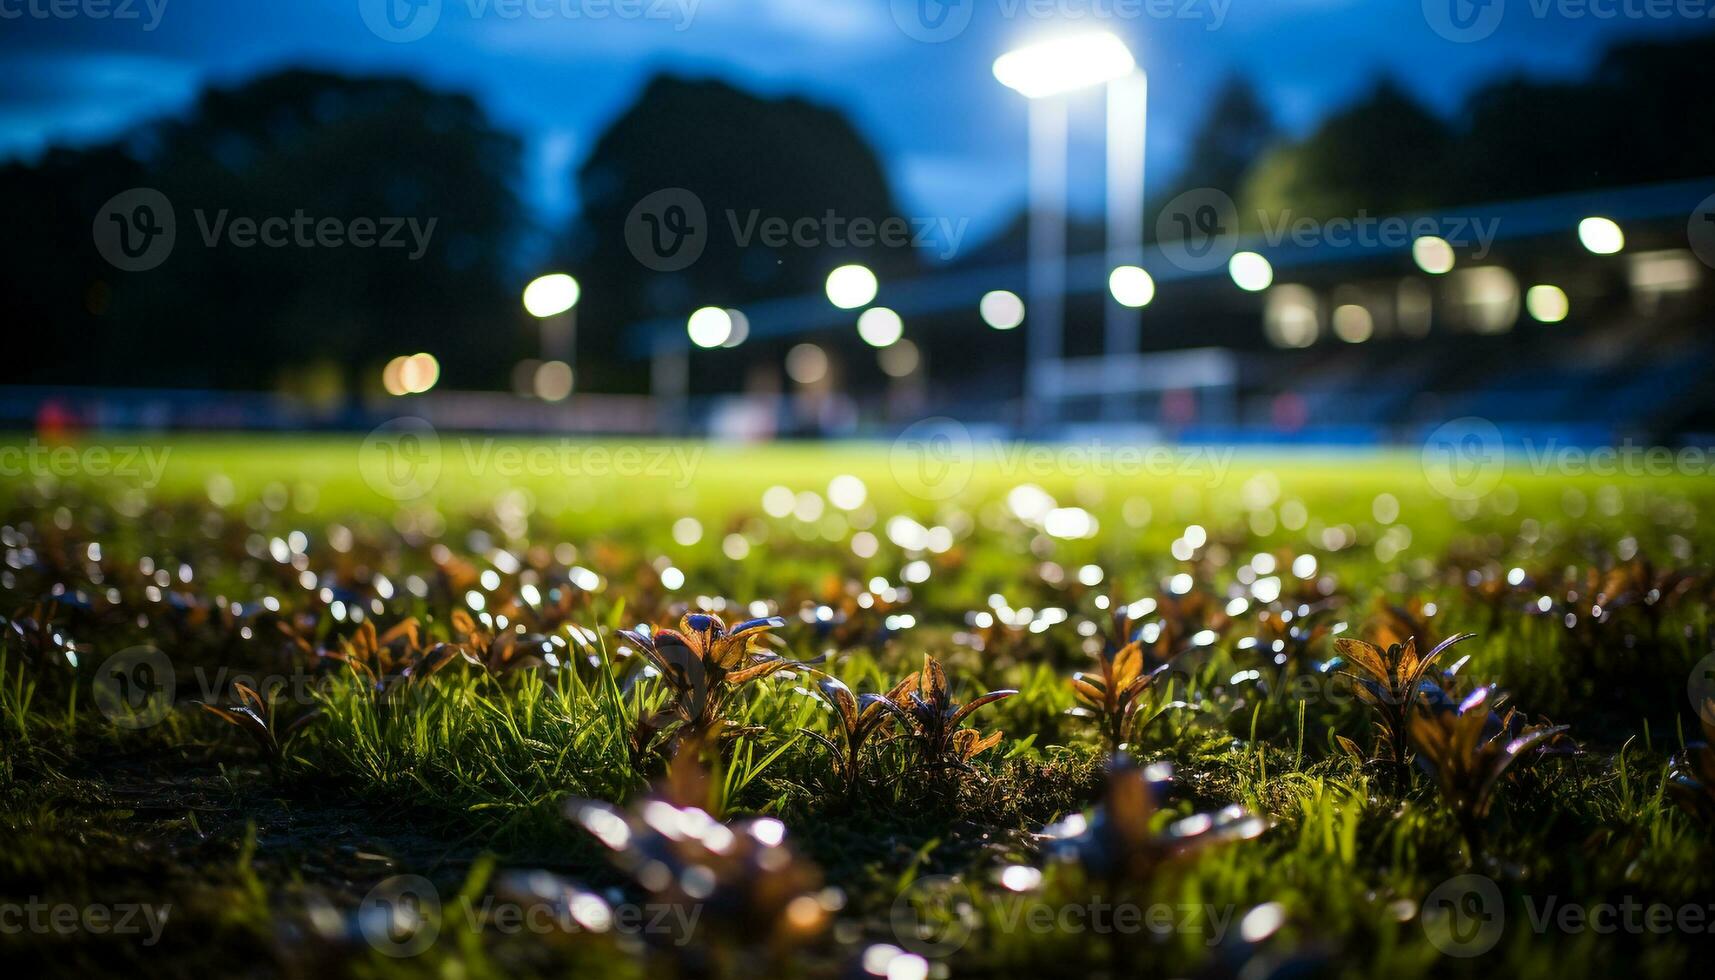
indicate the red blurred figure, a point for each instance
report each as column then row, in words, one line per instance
column 1289, row 412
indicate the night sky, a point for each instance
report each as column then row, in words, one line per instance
column 951, row 136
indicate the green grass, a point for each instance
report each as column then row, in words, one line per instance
column 463, row 776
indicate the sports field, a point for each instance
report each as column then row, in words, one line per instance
column 433, row 704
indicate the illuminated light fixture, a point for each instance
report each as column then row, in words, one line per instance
column 1601, row 235
column 1250, row 271
column 1001, row 309
column 1547, row 304
column 740, row 328
column 551, row 295
column 851, row 286
column 411, row 375
column 899, row 360
column 1353, row 323
column 710, row 326
column 1487, row 298
column 880, row 327
column 1064, row 65
column 1292, row 316
column 806, row 364
column 390, row 376
column 1433, row 255
column 1131, row 286
column 553, row 381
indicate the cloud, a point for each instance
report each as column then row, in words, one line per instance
column 79, row 97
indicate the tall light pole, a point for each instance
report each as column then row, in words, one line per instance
column 1044, row 73
column 553, row 299
column 1128, row 107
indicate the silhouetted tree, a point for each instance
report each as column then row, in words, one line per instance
column 1234, row 135
column 742, row 156
column 329, row 148
column 1386, row 154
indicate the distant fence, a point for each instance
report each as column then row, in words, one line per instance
column 130, row 409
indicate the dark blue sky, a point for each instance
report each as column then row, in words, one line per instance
column 952, row 138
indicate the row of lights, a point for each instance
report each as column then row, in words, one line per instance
column 1545, row 302
column 852, row 287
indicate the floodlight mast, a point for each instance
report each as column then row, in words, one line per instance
column 1043, row 73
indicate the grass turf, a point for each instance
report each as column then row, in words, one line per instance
column 464, row 777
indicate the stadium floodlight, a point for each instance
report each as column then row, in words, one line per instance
column 1064, row 65
column 1601, row 235
column 1250, row 271
column 851, row 286
column 1131, row 286
column 1001, row 309
column 880, row 327
column 553, row 299
column 1039, row 72
column 551, row 295
column 710, row 326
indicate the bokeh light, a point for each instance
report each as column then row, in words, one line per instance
column 551, row 295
